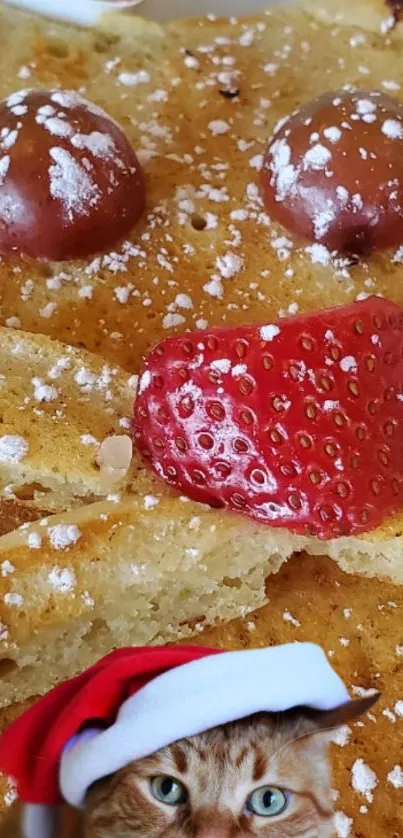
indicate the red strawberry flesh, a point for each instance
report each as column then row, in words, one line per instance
column 296, row 424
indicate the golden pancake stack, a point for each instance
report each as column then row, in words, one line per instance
column 96, row 552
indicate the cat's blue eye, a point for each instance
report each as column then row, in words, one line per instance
column 168, row 790
column 268, row 801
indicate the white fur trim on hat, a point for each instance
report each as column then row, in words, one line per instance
column 195, row 697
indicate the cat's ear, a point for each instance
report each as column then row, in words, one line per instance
column 331, row 719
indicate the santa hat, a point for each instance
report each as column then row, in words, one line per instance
column 136, row 701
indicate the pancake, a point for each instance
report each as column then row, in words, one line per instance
column 141, row 568
column 53, row 400
column 361, row 623
column 198, row 99
column 205, row 252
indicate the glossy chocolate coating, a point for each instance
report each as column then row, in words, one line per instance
column 70, row 182
column 333, row 172
column 396, row 6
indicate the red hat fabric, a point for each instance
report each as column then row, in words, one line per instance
column 136, row 701
column 31, row 748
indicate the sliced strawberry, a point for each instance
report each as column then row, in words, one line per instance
column 296, row 424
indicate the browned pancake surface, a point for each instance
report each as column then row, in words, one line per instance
column 199, row 101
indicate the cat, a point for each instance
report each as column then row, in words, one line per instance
column 266, row 776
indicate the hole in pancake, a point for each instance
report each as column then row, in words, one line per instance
column 230, row 92
column 30, row 490
column 232, row 582
column 7, row 666
column 198, row 222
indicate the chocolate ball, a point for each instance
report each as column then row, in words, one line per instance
column 70, row 182
column 333, row 172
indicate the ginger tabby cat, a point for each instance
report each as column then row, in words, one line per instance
column 266, row 776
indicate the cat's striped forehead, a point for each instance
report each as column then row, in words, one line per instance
column 247, row 749
column 189, row 757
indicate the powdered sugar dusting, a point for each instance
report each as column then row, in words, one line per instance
column 268, row 333
column 62, row 580
column 343, row 825
column 348, row 364
column 218, row 126
column 63, row 536
column 284, row 172
column 4, row 167
column 150, row 501
column 392, row 129
column 11, row 794
column 43, row 392
column 395, row 777
column 317, row 157
column 15, row 599
column 99, row 144
column 34, row 541
column 133, row 79
column 13, row 448
column 333, row 134
column 229, row 265
column 363, row 779
column 221, row 365
column 144, row 382
column 342, row 736
column 71, row 184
